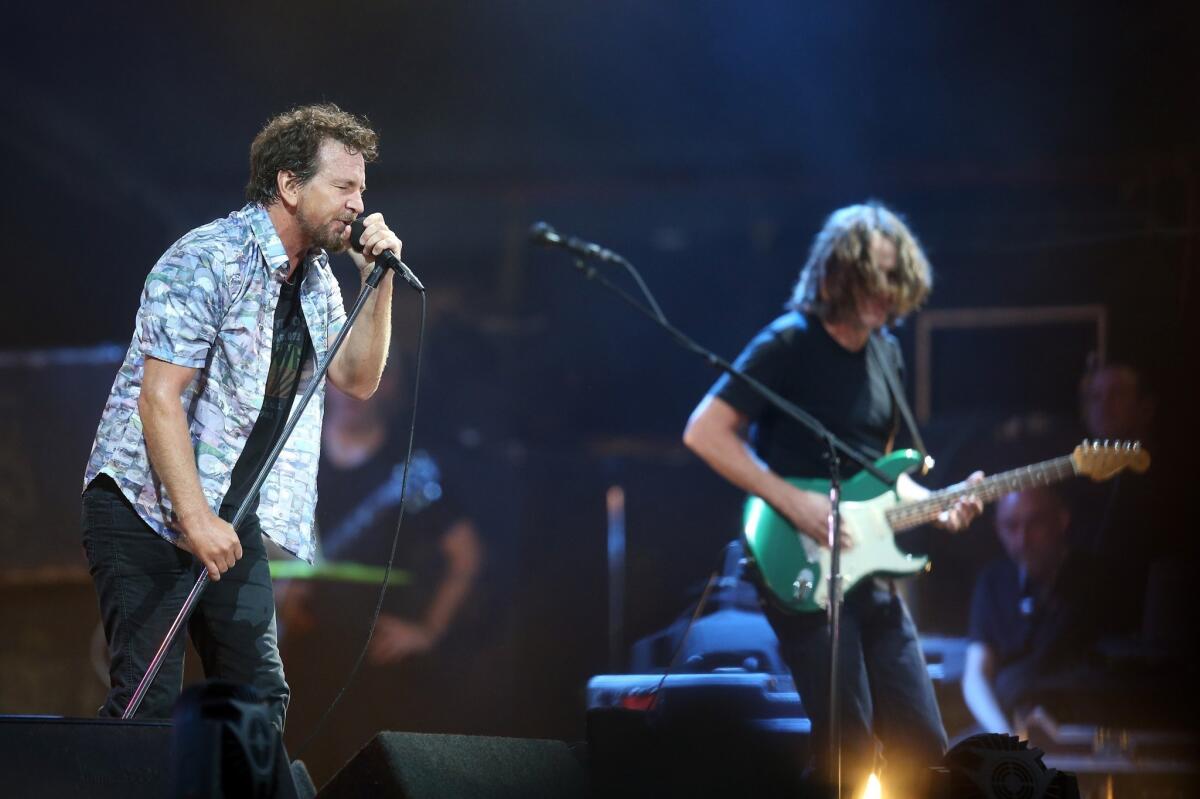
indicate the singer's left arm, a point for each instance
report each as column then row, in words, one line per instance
column 358, row 365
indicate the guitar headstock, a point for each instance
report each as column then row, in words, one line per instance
column 1101, row 460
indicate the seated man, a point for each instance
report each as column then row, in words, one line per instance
column 1035, row 619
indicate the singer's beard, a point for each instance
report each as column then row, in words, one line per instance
column 328, row 237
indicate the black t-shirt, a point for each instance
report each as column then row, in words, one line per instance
column 291, row 348
column 846, row 391
column 1034, row 635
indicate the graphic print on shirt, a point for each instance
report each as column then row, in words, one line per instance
column 291, row 344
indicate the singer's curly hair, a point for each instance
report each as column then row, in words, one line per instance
column 290, row 142
column 840, row 267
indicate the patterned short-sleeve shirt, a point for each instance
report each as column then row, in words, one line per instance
column 209, row 304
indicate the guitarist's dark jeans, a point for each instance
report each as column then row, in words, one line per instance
column 884, row 689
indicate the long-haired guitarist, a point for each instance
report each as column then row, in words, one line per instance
column 866, row 270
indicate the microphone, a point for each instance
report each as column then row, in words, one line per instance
column 387, row 258
column 542, row 233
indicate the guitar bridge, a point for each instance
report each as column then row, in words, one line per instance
column 803, row 586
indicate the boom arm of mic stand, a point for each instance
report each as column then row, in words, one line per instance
column 202, row 581
column 789, row 408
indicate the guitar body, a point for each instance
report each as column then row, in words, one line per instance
column 795, row 569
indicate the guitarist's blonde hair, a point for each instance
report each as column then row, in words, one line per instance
column 840, row 266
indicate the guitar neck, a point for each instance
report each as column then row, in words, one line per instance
column 912, row 514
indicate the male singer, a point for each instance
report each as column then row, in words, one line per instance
column 232, row 320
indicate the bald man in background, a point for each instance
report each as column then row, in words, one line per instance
column 1036, row 617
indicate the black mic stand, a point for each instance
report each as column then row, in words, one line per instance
column 835, row 610
column 837, row 447
column 189, row 604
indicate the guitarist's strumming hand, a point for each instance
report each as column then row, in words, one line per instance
column 808, row 512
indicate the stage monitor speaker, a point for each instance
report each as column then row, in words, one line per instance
column 57, row 757
column 398, row 765
column 225, row 745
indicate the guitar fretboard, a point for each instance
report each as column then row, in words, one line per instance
column 911, row 514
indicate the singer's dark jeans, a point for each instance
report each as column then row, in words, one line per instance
column 884, row 693
column 142, row 581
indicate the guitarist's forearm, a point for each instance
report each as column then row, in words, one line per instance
column 737, row 463
column 713, row 434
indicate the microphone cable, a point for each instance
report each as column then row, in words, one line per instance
column 649, row 295
column 387, row 572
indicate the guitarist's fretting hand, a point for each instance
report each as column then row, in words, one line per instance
column 808, row 512
column 964, row 511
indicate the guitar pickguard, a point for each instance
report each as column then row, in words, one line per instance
column 795, row 568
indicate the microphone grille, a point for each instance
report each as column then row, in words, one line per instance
column 356, row 230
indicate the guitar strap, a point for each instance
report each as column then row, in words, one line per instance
column 891, row 374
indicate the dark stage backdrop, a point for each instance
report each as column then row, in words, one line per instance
column 1047, row 159
column 50, row 402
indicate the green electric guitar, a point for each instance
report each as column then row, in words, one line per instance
column 795, row 569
